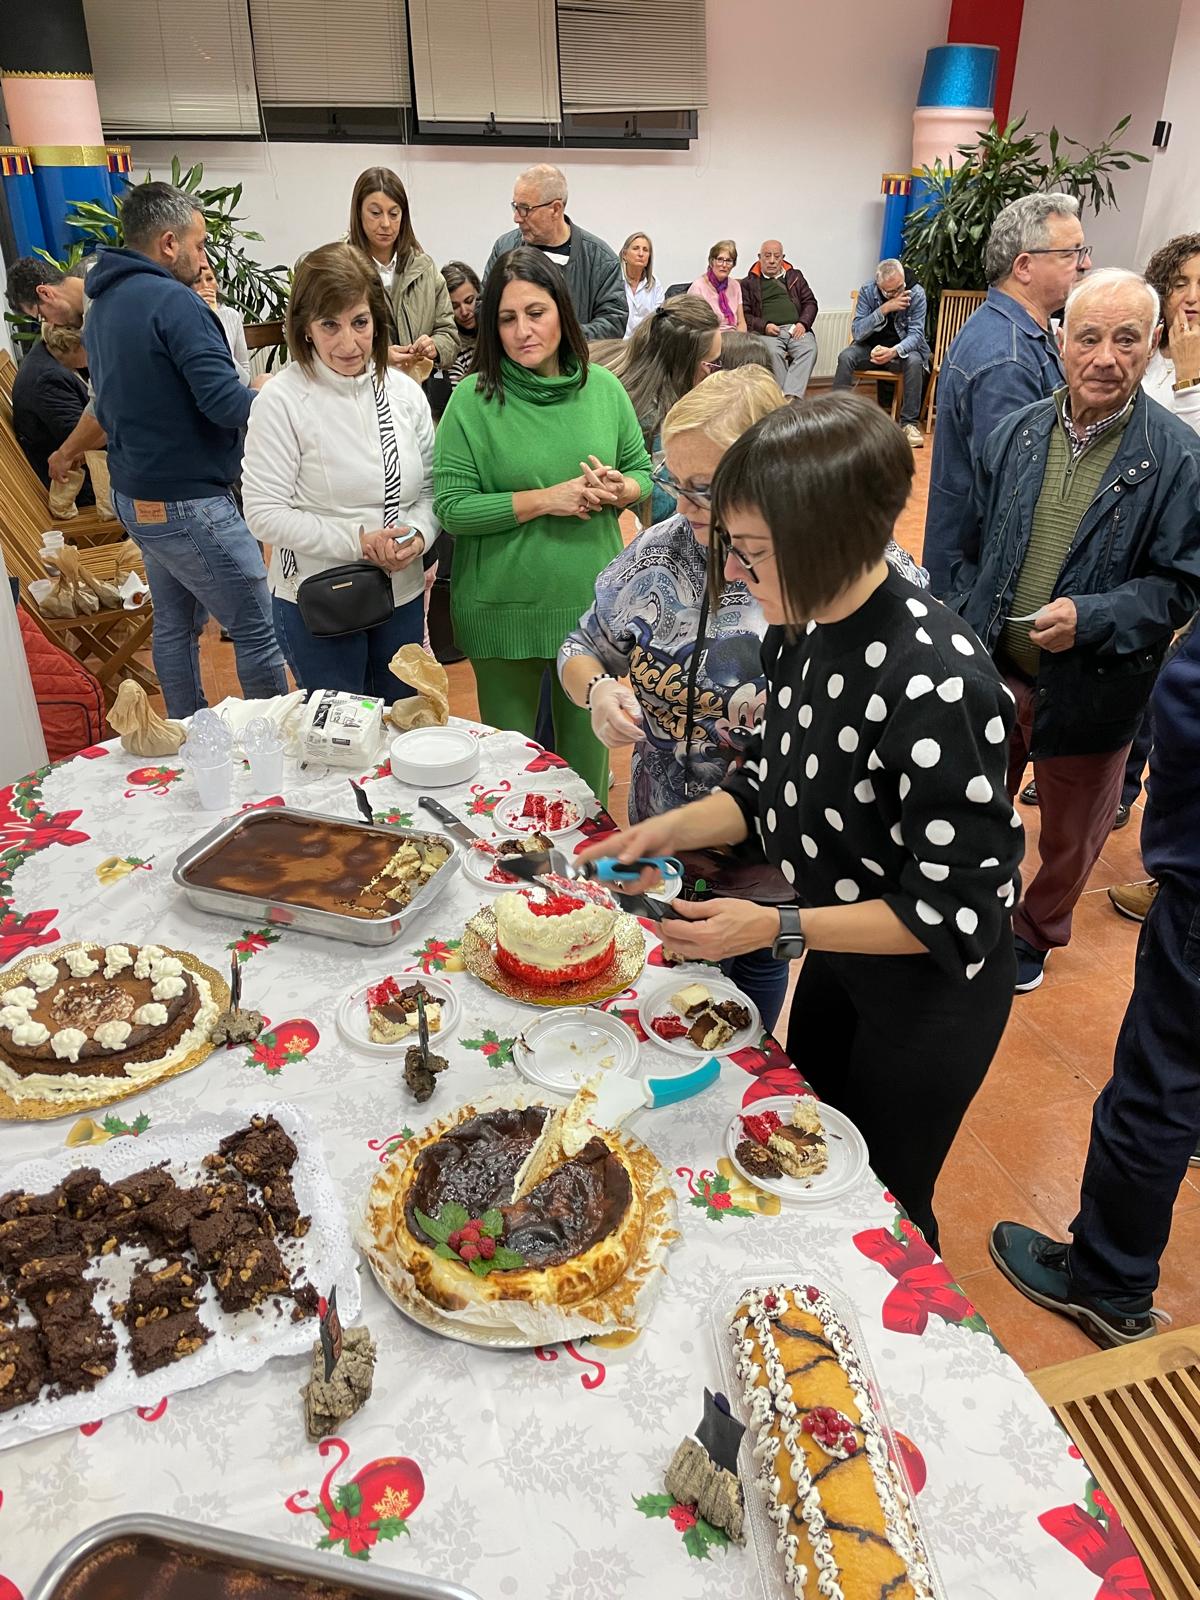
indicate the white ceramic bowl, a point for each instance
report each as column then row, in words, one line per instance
column 434, row 758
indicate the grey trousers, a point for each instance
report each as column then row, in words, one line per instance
column 856, row 357
column 793, row 358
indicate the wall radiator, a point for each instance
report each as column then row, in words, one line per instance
column 832, row 329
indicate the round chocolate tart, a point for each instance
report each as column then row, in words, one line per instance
column 87, row 1023
column 576, row 1230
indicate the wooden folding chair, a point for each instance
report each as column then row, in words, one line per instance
column 8, row 375
column 954, row 307
column 878, row 375
column 1134, row 1412
column 30, row 498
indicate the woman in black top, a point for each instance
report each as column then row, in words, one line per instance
column 877, row 787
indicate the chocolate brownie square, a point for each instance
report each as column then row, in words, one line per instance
column 80, row 1350
column 69, row 1298
column 165, row 1339
column 140, row 1188
column 250, row 1269
column 83, row 1193
column 161, row 1288
column 213, row 1235
column 280, row 1200
column 51, row 1272
column 168, row 1218
column 20, row 1203
column 260, row 1150
column 22, row 1367
column 23, row 1237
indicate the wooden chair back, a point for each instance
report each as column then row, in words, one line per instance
column 1134, row 1413
column 878, row 375
column 30, row 499
column 264, row 335
column 954, row 307
column 8, row 374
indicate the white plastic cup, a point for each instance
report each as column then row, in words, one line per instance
column 266, row 770
column 52, row 542
column 214, row 784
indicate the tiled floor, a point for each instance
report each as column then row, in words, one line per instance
column 1021, row 1149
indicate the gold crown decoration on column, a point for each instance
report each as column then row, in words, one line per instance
column 895, row 183
column 120, row 157
column 69, row 155
column 19, row 72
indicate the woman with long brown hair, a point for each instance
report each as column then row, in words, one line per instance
column 422, row 319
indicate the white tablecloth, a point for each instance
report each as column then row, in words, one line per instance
column 529, row 1466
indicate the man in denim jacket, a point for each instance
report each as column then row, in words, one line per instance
column 1083, row 559
column 889, row 332
column 1004, row 358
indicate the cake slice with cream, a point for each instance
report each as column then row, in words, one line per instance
column 556, row 940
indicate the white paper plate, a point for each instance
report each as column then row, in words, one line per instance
column 657, row 1000
column 476, row 864
column 508, row 818
column 562, row 1049
column 354, row 1026
column 434, row 758
column 847, row 1154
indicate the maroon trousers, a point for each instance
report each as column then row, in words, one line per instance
column 1078, row 798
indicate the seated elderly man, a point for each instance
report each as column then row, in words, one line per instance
column 591, row 268
column 1082, row 559
column 49, row 397
column 778, row 303
column 889, row 332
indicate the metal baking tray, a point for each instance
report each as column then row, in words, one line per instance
column 373, row 931
column 244, row 1553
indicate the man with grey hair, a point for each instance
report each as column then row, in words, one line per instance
column 169, row 399
column 888, row 332
column 591, row 268
column 780, row 305
column 1081, row 560
column 1004, row 358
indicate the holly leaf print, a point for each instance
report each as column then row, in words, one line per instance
column 394, row 818
column 393, row 1527
column 497, row 1051
column 655, row 1505
column 349, row 1499
column 697, row 1540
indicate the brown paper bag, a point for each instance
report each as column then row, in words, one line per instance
column 70, row 595
column 143, row 732
column 430, row 706
column 97, row 465
column 63, row 495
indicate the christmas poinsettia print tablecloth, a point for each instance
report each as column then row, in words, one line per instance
column 533, row 1473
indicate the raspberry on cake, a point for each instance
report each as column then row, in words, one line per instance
column 560, row 939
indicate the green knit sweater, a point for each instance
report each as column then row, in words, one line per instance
column 519, row 589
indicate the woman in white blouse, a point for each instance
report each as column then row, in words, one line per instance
column 643, row 292
column 230, row 319
column 1173, row 375
column 338, row 468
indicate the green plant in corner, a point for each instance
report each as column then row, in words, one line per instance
column 259, row 293
column 944, row 239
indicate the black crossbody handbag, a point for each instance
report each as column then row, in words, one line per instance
column 358, row 595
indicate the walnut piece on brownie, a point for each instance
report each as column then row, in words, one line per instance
column 22, row 1367
column 280, row 1200
column 81, row 1347
column 250, row 1270
column 159, row 1289
column 215, row 1233
column 158, row 1342
column 260, row 1150
column 83, row 1193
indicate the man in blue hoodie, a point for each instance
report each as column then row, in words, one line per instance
column 168, row 396
column 1147, row 1119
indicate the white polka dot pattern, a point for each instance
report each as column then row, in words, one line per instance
column 784, row 697
column 927, row 752
column 835, row 685
column 846, row 889
column 876, row 709
column 875, row 654
column 848, row 740
column 790, row 793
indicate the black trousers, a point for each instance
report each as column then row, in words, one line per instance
column 1146, row 1120
column 901, row 1049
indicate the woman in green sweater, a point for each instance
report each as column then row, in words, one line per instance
column 534, row 460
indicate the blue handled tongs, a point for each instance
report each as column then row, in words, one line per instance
column 608, row 870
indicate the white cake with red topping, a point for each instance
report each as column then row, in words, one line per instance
column 562, row 938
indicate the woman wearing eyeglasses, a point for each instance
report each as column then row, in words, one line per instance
column 877, row 787
column 538, row 453
column 674, row 349
column 720, row 288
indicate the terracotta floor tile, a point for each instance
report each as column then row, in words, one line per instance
column 1179, row 1287
column 1079, row 1018
column 1041, row 1151
column 1027, row 1071
column 1033, row 1337
column 973, row 1193
column 1102, row 929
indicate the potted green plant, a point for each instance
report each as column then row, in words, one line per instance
column 944, row 239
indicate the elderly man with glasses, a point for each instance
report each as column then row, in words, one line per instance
column 1004, row 358
column 889, row 332
column 591, row 268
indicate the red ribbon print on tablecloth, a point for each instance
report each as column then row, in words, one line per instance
column 589, row 1380
column 374, row 1505
column 1094, row 1533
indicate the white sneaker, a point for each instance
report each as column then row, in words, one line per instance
column 914, row 436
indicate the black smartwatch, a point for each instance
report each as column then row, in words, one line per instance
column 789, row 946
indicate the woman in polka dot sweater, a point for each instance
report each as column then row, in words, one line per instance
column 877, row 786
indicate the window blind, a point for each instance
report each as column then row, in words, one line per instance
column 632, row 55
column 473, row 59
column 173, row 66
column 331, row 52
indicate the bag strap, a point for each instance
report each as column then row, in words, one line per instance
column 690, row 704
column 392, row 482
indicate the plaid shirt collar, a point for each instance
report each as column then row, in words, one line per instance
column 1082, row 439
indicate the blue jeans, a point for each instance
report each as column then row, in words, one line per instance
column 355, row 662
column 201, row 558
column 763, row 979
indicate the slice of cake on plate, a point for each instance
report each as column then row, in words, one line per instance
column 563, row 938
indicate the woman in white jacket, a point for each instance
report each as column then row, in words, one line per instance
column 338, row 468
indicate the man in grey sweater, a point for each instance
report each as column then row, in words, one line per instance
column 591, row 268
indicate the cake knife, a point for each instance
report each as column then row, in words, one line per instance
column 449, row 821
column 608, row 871
column 615, row 1096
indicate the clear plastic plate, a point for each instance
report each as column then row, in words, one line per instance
column 847, row 1154
column 561, row 1050
column 656, row 1002
column 354, row 1024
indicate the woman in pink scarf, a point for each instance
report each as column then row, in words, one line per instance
column 722, row 291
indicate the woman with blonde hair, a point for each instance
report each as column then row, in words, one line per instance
column 643, row 292
column 720, row 288
column 338, row 470
column 696, row 686
column 420, row 313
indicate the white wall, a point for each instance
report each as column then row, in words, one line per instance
column 1173, row 195
column 1081, row 65
column 789, row 147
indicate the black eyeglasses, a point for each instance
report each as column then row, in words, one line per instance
column 522, row 211
column 727, row 548
column 1079, row 251
column 664, row 480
